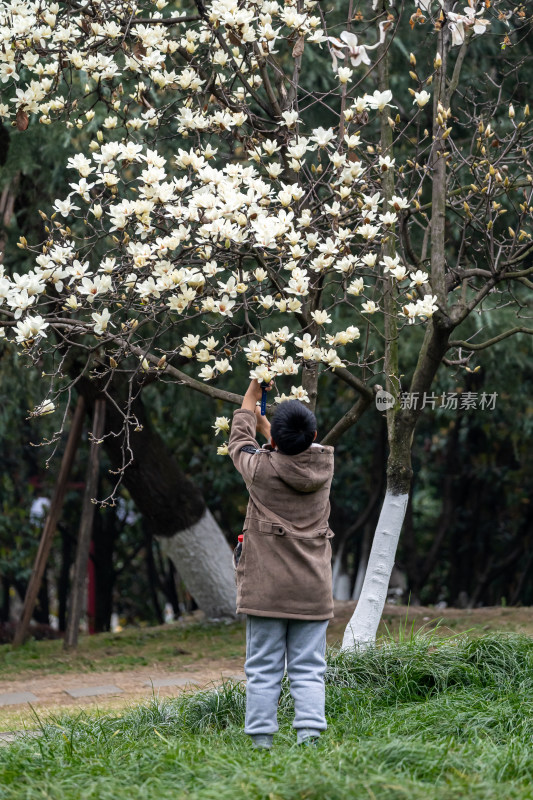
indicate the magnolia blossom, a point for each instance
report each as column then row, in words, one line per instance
column 46, row 407
column 262, row 374
column 418, row 278
column 29, row 328
column 223, row 366
column 101, row 321
column 255, row 352
column 323, row 136
column 207, row 372
column 379, row 100
column 321, row 317
column 347, row 46
column 370, row 307
column 356, row 287
column 470, row 19
column 344, row 74
column 421, row 98
column 221, row 425
column 65, row 207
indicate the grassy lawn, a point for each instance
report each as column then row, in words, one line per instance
column 428, row 718
column 181, row 645
column 172, row 646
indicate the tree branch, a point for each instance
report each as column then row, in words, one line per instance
column 481, row 345
column 346, row 376
column 352, row 416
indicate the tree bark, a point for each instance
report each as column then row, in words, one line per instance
column 79, row 582
column 173, row 508
column 50, row 525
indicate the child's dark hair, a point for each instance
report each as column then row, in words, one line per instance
column 293, row 427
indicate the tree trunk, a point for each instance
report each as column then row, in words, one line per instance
column 362, row 628
column 104, row 539
column 174, row 510
column 79, row 582
column 50, row 525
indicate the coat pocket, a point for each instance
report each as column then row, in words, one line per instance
column 282, row 529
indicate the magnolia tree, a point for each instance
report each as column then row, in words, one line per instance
column 211, row 220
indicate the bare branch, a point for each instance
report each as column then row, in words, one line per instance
column 482, row 345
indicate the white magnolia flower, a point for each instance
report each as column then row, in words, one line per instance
column 290, row 118
column 398, row 202
column 370, row 307
column 378, row 100
column 321, row 317
column 223, row 366
column 46, row 407
column 388, row 218
column 389, row 263
column 385, row 163
column 399, row 273
column 101, row 321
column 410, row 310
column 207, row 372
column 204, row 355
column 222, row 449
column 224, row 306
column 427, row 306
column 65, row 207
column 344, row 73
column 418, row 278
column 356, row 287
column 347, row 46
column 421, row 98
column 331, row 358
column 322, row 136
column 470, row 19
column 221, row 425
column 210, row 343
column 261, row 374
column 369, row 259
column 190, row 340
column 29, row 328
column 255, row 352
column 299, row 393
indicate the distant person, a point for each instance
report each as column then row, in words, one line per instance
column 284, row 571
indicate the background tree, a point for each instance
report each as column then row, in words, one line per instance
column 184, row 245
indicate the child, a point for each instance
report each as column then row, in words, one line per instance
column 284, row 572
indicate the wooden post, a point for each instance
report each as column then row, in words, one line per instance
column 79, row 582
column 50, row 524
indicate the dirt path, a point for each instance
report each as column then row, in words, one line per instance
column 51, row 690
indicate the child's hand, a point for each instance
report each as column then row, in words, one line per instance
column 255, row 390
column 254, row 393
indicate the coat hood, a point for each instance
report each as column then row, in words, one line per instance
column 306, row 472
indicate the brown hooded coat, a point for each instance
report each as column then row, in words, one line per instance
column 285, row 567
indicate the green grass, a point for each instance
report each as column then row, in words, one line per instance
column 172, row 646
column 425, row 719
column 179, row 645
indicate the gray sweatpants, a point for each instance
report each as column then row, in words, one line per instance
column 268, row 640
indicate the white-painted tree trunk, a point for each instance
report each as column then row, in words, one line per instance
column 340, row 580
column 203, row 559
column 362, row 628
